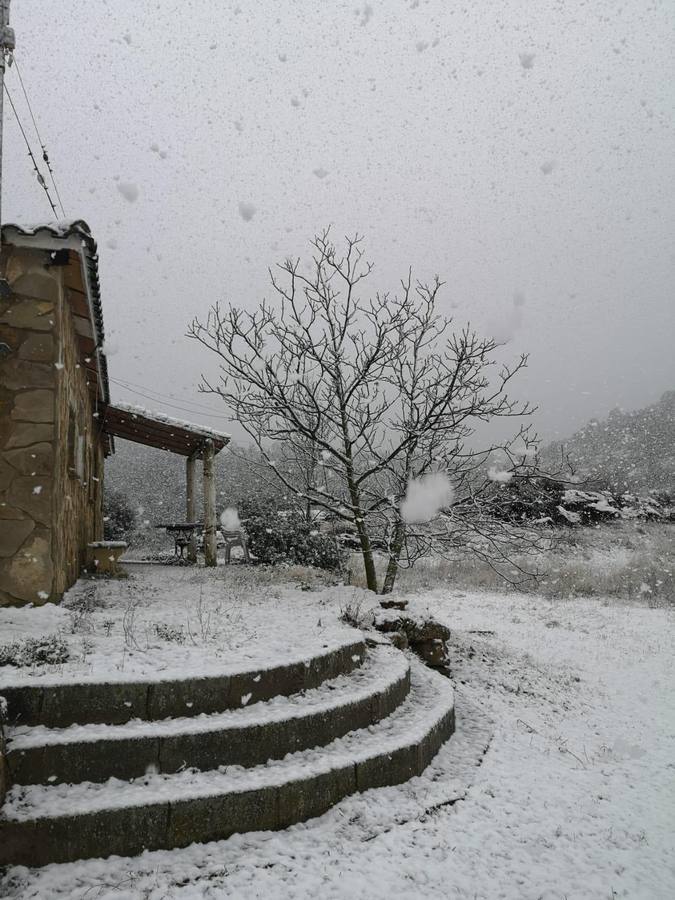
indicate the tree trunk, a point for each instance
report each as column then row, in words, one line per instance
column 364, row 537
column 355, row 497
column 394, row 555
column 368, row 558
column 390, row 576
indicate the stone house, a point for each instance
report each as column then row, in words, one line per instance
column 53, row 386
column 56, row 421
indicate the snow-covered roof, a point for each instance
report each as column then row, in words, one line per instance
column 58, row 228
column 135, row 423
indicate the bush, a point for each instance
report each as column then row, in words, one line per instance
column 81, row 606
column 280, row 535
column 118, row 517
column 170, row 633
column 50, row 650
column 354, row 615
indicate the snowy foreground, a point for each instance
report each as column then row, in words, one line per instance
column 559, row 783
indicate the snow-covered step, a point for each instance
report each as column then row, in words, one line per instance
column 117, row 701
column 43, row 824
column 248, row 736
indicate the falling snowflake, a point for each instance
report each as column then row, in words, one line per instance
column 247, row 211
column 128, row 190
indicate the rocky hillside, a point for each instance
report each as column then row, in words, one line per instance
column 628, row 451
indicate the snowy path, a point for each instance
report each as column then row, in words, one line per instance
column 575, row 797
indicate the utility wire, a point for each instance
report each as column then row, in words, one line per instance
column 45, row 155
column 184, row 409
column 181, row 409
column 184, row 401
column 38, row 173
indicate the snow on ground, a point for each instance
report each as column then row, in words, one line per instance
column 574, row 798
column 172, row 622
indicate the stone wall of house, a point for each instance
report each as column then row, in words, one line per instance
column 78, row 473
column 28, row 383
column 48, row 512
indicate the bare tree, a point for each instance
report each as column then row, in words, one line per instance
column 368, row 394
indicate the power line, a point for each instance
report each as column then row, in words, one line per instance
column 173, row 406
column 185, row 401
column 159, row 399
column 45, row 155
column 38, row 173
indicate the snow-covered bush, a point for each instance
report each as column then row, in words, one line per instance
column 279, row 535
column 81, row 605
column 355, row 615
column 170, row 633
column 48, row 650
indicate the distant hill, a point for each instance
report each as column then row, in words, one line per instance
column 628, row 451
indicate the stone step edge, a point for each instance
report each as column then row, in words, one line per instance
column 246, row 737
column 115, row 703
column 377, row 664
column 428, row 691
column 281, row 798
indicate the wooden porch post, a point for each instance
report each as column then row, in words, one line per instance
column 190, row 515
column 209, row 505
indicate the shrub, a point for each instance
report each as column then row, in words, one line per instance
column 118, row 516
column 170, row 633
column 354, row 615
column 81, row 606
column 280, row 535
column 50, row 650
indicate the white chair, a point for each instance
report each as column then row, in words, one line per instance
column 234, row 539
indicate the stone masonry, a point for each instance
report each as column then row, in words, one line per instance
column 48, row 512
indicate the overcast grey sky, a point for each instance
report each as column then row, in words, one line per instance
column 522, row 150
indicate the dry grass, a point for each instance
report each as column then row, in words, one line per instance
column 629, row 562
column 624, row 561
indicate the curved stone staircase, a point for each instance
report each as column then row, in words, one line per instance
column 102, row 769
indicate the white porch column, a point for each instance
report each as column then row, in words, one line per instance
column 209, row 505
